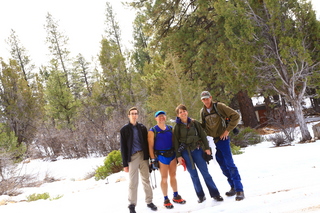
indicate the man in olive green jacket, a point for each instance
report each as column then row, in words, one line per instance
column 213, row 122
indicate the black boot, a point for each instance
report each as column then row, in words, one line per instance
column 201, row 199
column 218, row 198
column 240, row 196
column 230, row 193
column 152, row 206
column 131, row 208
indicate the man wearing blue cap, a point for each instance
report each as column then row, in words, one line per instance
column 162, row 153
column 135, row 157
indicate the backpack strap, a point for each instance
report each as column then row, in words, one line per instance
column 215, row 111
column 156, row 132
column 224, row 122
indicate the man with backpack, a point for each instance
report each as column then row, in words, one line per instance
column 214, row 116
column 163, row 156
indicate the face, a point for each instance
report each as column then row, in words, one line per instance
column 182, row 114
column 207, row 102
column 161, row 118
column 133, row 116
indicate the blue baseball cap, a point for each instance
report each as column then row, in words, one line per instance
column 159, row 113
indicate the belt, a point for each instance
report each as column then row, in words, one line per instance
column 137, row 152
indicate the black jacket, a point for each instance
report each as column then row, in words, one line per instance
column 126, row 141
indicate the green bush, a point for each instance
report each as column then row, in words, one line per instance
column 246, row 137
column 112, row 164
column 34, row 197
column 43, row 196
column 235, row 149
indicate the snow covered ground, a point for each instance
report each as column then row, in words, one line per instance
column 276, row 180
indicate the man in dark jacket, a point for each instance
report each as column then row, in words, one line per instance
column 215, row 126
column 135, row 157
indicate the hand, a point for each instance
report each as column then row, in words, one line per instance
column 154, row 164
column 180, row 160
column 126, row 169
column 207, row 157
column 224, row 136
column 208, row 151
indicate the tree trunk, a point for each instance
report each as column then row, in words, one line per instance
column 249, row 117
column 305, row 134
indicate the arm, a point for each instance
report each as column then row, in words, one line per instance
column 175, row 140
column 203, row 136
column 202, row 121
column 124, row 149
column 151, row 144
column 228, row 112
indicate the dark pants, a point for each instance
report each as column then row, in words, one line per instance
column 202, row 166
column 229, row 169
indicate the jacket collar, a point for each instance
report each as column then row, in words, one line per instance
column 178, row 120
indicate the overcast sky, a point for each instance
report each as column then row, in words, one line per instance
column 81, row 20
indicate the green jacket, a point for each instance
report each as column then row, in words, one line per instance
column 212, row 123
column 192, row 135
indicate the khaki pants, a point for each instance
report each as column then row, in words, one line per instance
column 136, row 165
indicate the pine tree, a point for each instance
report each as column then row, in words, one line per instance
column 58, row 42
column 61, row 105
column 19, row 53
column 280, row 37
column 19, row 106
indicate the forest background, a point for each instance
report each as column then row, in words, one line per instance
column 74, row 107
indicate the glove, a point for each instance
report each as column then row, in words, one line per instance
column 235, row 131
column 207, row 157
column 154, row 164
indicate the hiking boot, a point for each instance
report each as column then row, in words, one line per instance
column 167, row 204
column 152, row 206
column 239, row 196
column 218, row 198
column 131, row 208
column 230, row 193
column 178, row 199
column 201, row 199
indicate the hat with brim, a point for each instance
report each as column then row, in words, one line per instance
column 205, row 94
column 159, row 113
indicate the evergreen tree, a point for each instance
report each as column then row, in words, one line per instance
column 140, row 56
column 169, row 87
column 19, row 53
column 192, row 31
column 61, row 105
column 10, row 151
column 58, row 42
column 19, row 108
column 81, row 77
column 288, row 44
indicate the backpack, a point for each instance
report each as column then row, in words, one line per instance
column 156, row 132
column 225, row 121
column 165, row 153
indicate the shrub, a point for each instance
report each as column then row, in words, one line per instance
column 279, row 139
column 235, row 149
column 11, row 153
column 34, row 197
column 247, row 136
column 44, row 196
column 112, row 164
